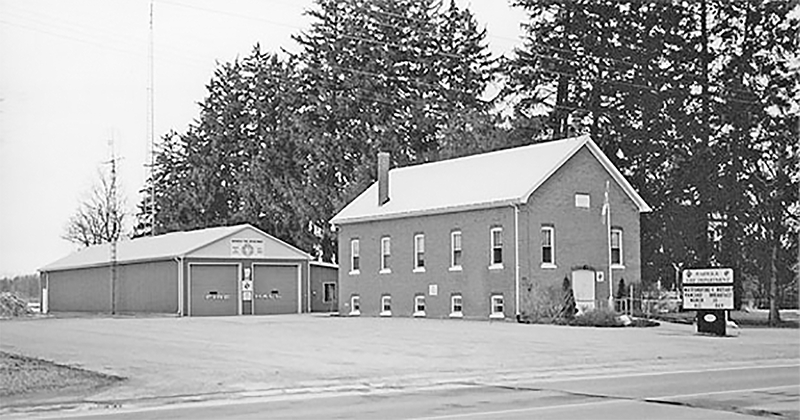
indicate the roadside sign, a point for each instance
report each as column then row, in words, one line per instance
column 708, row 276
column 709, row 291
column 707, row 297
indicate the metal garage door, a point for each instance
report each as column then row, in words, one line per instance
column 214, row 289
column 275, row 289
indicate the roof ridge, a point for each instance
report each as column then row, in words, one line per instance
column 582, row 137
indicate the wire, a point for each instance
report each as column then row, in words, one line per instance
column 222, row 12
column 81, row 34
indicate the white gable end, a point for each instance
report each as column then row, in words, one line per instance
column 249, row 243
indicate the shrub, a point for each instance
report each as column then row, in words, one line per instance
column 601, row 317
column 540, row 303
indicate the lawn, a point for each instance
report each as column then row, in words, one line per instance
column 758, row 318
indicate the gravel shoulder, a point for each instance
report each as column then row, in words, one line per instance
column 23, row 379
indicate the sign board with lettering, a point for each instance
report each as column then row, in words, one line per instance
column 708, row 276
column 247, row 247
column 707, row 297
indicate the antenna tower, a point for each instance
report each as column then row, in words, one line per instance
column 151, row 126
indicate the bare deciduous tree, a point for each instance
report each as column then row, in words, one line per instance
column 100, row 217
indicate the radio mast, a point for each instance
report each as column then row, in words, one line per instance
column 151, row 126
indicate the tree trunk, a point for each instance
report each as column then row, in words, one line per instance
column 774, row 313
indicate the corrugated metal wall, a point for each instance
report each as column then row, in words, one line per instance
column 81, row 290
column 148, row 287
column 140, row 287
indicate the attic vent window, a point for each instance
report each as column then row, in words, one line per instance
column 582, row 200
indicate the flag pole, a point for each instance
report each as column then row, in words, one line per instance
column 607, row 211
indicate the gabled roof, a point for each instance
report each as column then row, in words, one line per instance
column 486, row 180
column 153, row 248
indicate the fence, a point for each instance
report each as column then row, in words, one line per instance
column 634, row 306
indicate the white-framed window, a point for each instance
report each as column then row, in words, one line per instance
column 455, row 251
column 419, row 253
column 616, row 247
column 386, row 253
column 497, row 307
column 548, row 247
column 355, row 259
column 355, row 305
column 456, row 306
column 328, row 292
column 497, row 248
column 386, row 305
column 582, row 200
column 419, row 305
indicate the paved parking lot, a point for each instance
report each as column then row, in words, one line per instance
column 195, row 356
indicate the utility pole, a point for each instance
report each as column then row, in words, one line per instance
column 112, row 219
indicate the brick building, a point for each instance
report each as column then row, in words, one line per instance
column 490, row 235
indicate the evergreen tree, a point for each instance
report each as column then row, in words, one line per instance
column 284, row 144
column 694, row 102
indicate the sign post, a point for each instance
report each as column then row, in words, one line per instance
column 709, row 291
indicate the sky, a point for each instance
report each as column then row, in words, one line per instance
column 74, row 79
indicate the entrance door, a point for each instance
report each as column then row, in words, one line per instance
column 583, row 288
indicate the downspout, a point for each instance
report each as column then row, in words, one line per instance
column 44, row 301
column 179, row 260
column 516, row 260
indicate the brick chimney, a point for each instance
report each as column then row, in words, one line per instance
column 383, row 178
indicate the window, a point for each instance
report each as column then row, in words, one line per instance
column 419, row 305
column 616, row 247
column 328, row 292
column 419, row 253
column 386, row 305
column 497, row 307
column 386, row 252
column 355, row 263
column 548, row 247
column 497, row 248
column 456, row 306
column 455, row 247
column 582, row 200
column 355, row 305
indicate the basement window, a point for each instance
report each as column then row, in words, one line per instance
column 386, row 305
column 419, row 305
column 355, row 305
column 497, row 307
column 456, row 306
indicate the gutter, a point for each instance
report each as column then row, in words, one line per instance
column 426, row 212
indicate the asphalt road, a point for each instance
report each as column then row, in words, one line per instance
column 719, row 393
